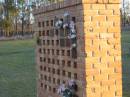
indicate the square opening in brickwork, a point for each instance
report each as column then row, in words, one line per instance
column 48, row 51
column 52, row 42
column 62, row 42
column 41, row 68
column 49, row 88
column 57, row 32
column 63, row 63
column 44, row 60
column 63, row 72
column 69, row 74
column 53, row 70
column 45, row 77
column 75, row 64
column 49, row 60
column 45, row 87
column 49, row 69
column 47, row 33
column 47, row 23
column 53, row 61
column 40, row 59
column 39, row 41
column 40, row 34
column 58, row 62
column 54, row 80
column 75, row 76
column 69, row 63
column 58, row 81
column 58, row 71
column 44, row 51
column 57, row 52
column 74, row 53
column 68, row 53
column 39, row 24
column 52, row 32
column 48, row 42
column 40, row 50
column 67, row 32
column 41, row 76
column 44, row 42
column 63, row 52
column 49, row 79
column 42, row 85
column 62, row 19
column 43, row 33
column 44, row 68
column 43, row 24
column 53, row 52
column 52, row 22
column 54, row 90
column 62, row 34
column 68, row 42
column 57, row 42
column 64, row 82
column 74, row 19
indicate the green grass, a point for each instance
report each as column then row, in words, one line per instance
column 17, row 69
column 126, row 64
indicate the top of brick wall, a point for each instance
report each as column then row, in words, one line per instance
column 101, row 1
column 67, row 3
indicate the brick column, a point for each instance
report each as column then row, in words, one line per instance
column 103, row 48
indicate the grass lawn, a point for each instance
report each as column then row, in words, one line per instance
column 126, row 64
column 17, row 69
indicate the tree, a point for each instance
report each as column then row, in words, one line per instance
column 125, row 11
column 8, row 12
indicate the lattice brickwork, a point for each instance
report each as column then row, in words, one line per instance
column 95, row 64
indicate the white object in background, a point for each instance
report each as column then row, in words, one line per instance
column 58, row 24
column 61, row 89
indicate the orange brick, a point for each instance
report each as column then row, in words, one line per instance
column 91, row 35
column 107, row 82
column 114, row 29
column 100, row 29
column 90, row 12
column 92, row 72
column 99, row 18
column 114, row 41
column 90, row 24
column 98, row 6
column 106, row 24
column 92, row 60
column 116, row 76
column 106, row 59
column 106, row 35
column 114, row 1
column 103, row 1
column 113, row 6
column 106, row 12
column 89, row 1
column 114, row 52
column 101, row 77
column 107, row 70
column 87, row 6
column 114, row 18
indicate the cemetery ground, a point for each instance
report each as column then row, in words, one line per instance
column 18, row 73
column 17, row 69
column 126, row 62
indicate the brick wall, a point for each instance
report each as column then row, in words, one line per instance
column 99, row 72
column 103, row 48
